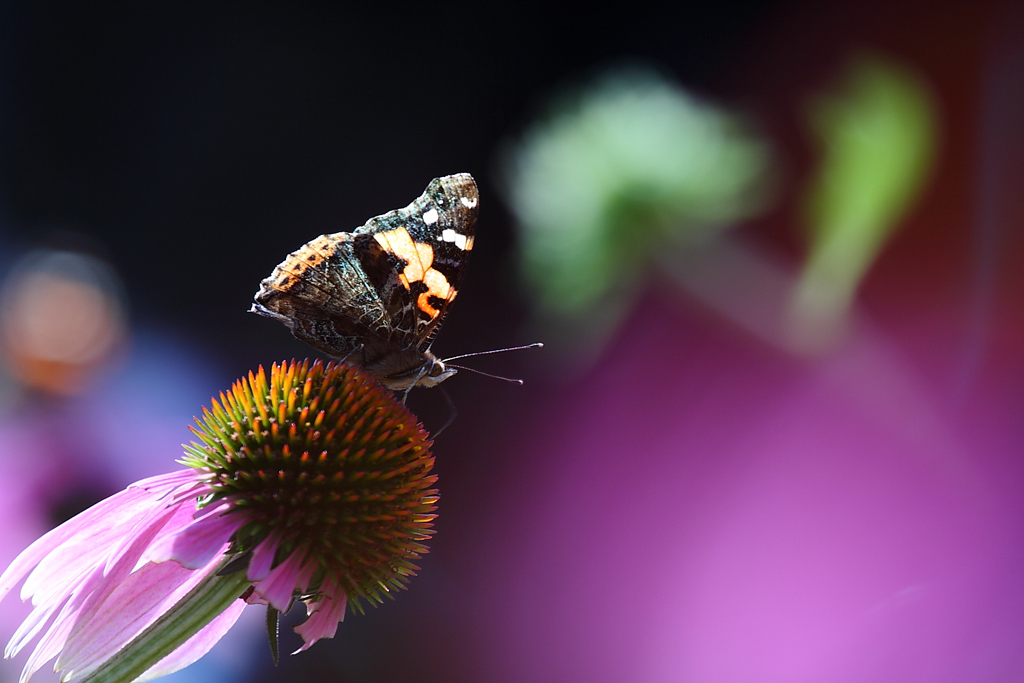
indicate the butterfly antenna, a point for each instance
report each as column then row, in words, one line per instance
column 485, row 374
column 535, row 345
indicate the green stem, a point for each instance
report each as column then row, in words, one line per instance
column 199, row 607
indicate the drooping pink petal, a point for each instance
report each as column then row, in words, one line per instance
column 180, row 500
column 294, row 573
column 163, row 484
column 133, row 604
column 43, row 616
column 77, row 589
column 50, row 645
column 324, row 615
column 93, row 617
column 93, row 583
column 198, row 645
column 53, row 640
column 198, row 541
column 146, row 587
column 254, row 598
column 90, row 566
column 81, row 523
column 263, row 557
column 38, row 618
column 83, row 561
column 62, row 557
column 136, row 596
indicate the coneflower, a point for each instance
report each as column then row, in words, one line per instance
column 311, row 485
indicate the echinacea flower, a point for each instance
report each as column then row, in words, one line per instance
column 312, row 485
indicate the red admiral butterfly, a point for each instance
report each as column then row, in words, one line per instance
column 376, row 296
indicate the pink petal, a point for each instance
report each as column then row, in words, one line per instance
column 255, row 598
column 51, row 644
column 198, row 645
column 324, row 615
column 67, row 564
column 131, row 593
column 68, row 606
column 39, row 618
column 93, row 588
column 54, row 640
column 162, row 484
column 46, row 543
column 85, row 582
column 65, row 555
column 263, row 557
column 133, row 605
column 294, row 573
column 198, row 541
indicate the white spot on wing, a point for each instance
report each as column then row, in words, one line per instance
column 467, row 202
column 459, row 240
column 430, row 217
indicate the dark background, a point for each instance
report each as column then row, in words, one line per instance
column 196, row 144
column 201, row 143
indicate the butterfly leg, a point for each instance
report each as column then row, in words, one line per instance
column 405, row 394
column 350, row 353
column 452, row 412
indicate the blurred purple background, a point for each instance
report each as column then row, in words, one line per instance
column 700, row 503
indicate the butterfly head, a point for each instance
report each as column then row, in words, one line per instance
column 436, row 372
column 402, row 372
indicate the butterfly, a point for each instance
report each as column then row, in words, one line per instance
column 376, row 297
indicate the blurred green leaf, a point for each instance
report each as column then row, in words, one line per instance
column 619, row 172
column 877, row 134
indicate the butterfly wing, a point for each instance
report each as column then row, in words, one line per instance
column 430, row 241
column 321, row 294
column 381, row 291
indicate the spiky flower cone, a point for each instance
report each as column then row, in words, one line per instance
column 323, row 459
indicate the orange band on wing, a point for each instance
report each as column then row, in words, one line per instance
column 418, row 259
